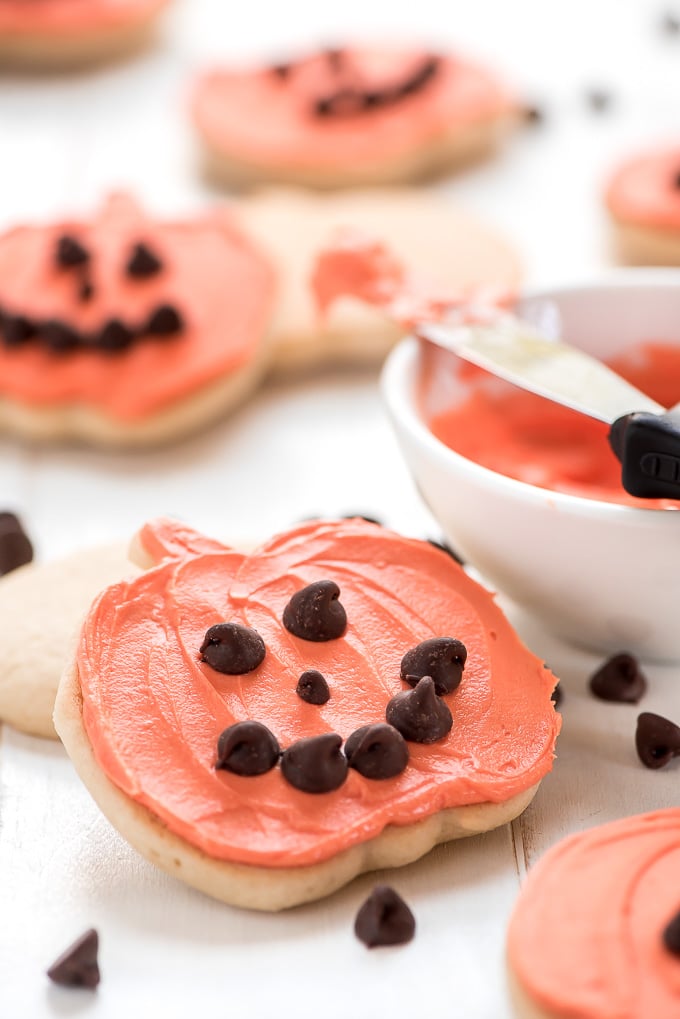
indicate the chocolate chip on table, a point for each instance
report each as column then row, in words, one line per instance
column 15, row 547
column 670, row 23
column 60, row 337
column 78, row 966
column 671, row 935
column 17, row 329
column 377, row 751
column 315, row 614
column 115, row 336
column 315, row 764
column 420, row 715
column 164, row 321
column 70, row 252
column 443, row 658
column 313, row 688
column 143, row 262
column 620, row 679
column 247, row 748
column 657, row 740
column 533, row 114
column 599, row 100
column 232, row 649
column 384, row 919
column 444, row 546
column 557, row 696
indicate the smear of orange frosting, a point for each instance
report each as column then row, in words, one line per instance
column 268, row 120
column 153, row 711
column 585, row 938
column 72, row 16
column 645, row 190
column 218, row 280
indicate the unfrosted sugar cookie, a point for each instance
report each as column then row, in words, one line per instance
column 340, row 700
column 351, row 116
column 595, row 933
column 64, row 33
column 448, row 246
column 124, row 329
column 643, row 201
column 42, row 606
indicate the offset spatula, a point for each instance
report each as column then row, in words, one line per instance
column 644, row 435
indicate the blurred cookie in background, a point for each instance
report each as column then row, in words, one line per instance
column 643, row 201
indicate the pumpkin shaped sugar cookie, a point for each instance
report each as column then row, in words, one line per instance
column 220, row 755
column 351, row 116
column 642, row 198
column 43, row 34
column 124, row 329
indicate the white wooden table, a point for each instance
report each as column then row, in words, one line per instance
column 166, row 950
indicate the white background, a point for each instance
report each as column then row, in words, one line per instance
column 318, row 445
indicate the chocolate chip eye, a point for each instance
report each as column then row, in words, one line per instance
column 164, row 321
column 620, row 679
column 657, row 740
column 70, row 252
column 316, row 764
column 384, row 919
column 419, row 715
column 315, row 614
column 313, row 688
column 247, row 748
column 232, row 649
column 143, row 262
column 671, row 935
column 377, row 751
column 443, row 658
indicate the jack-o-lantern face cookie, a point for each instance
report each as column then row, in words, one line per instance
column 596, row 931
column 357, row 115
column 124, row 329
column 267, row 726
column 643, row 201
column 64, row 33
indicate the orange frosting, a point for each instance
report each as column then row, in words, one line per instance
column 585, row 938
column 269, row 120
column 19, row 16
column 153, row 711
column 542, row 443
column 219, row 282
column 645, row 191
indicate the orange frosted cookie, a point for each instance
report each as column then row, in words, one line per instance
column 596, row 931
column 643, row 200
column 267, row 726
column 357, row 115
column 54, row 33
column 124, row 329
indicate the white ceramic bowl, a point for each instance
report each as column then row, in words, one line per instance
column 598, row 574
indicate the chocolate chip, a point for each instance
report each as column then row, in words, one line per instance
column 281, row 71
column 670, row 23
column 619, row 679
column 534, row 115
column 377, row 751
column 362, row 516
column 77, row 966
column 232, row 649
column 71, row 252
column 419, row 79
column 15, row 547
column 17, row 329
column 114, row 336
column 316, row 764
column 335, row 58
column 557, row 696
column 419, row 715
column 599, row 100
column 443, row 658
column 671, row 935
column 85, row 291
column 444, row 546
column 313, row 688
column 657, row 740
column 60, row 337
column 143, row 262
column 343, row 103
column 165, row 321
column 314, row 613
column 384, row 919
column 247, row 748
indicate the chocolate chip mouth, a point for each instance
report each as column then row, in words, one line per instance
column 350, row 101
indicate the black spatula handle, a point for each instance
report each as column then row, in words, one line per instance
column 648, row 446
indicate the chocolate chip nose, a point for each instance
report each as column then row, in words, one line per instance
column 315, row 614
column 316, row 764
column 419, row 715
column 443, row 658
column 657, row 740
column 232, row 648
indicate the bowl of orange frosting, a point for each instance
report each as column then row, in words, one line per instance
column 530, row 492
